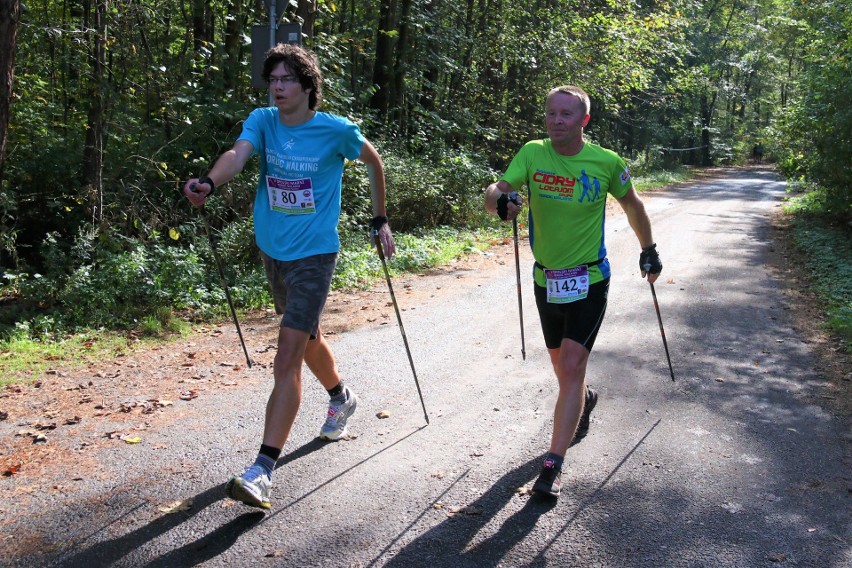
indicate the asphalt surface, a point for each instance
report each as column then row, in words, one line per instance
column 738, row 463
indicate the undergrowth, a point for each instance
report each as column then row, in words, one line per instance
column 828, row 246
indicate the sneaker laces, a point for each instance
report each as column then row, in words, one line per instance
column 253, row 473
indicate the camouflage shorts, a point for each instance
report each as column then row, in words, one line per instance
column 300, row 289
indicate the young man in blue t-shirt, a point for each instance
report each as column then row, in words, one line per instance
column 296, row 211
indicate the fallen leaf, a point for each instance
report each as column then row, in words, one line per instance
column 465, row 510
column 132, row 439
column 275, row 553
column 383, row 414
column 523, row 490
column 75, row 420
column 12, row 470
column 176, row 506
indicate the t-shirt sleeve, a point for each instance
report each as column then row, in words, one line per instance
column 516, row 173
column 621, row 178
column 253, row 130
column 352, row 139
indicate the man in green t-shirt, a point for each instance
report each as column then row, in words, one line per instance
column 567, row 182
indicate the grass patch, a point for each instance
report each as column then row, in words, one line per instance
column 828, row 247
column 23, row 359
column 661, row 178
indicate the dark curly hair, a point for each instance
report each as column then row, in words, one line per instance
column 302, row 62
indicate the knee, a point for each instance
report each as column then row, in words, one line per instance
column 287, row 367
column 572, row 366
column 570, row 375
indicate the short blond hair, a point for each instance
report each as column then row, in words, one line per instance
column 574, row 91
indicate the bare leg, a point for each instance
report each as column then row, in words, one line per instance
column 320, row 361
column 286, row 396
column 569, row 364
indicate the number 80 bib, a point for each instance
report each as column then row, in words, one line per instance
column 292, row 196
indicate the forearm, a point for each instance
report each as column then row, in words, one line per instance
column 378, row 189
column 641, row 225
column 226, row 168
column 492, row 194
column 638, row 218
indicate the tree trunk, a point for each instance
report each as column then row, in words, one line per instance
column 403, row 54
column 380, row 101
column 431, row 75
column 307, row 13
column 93, row 153
column 234, row 27
column 10, row 15
column 706, row 120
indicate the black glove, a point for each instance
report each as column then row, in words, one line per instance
column 503, row 203
column 649, row 261
column 377, row 223
column 208, row 181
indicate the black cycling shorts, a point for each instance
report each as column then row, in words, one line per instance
column 578, row 321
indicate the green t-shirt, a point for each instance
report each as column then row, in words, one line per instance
column 567, row 203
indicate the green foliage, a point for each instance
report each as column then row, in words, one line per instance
column 828, row 247
column 442, row 188
column 815, row 134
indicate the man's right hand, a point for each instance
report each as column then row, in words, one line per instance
column 197, row 191
column 509, row 205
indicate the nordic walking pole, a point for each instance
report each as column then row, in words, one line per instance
column 399, row 320
column 660, row 319
column 221, row 268
column 518, row 279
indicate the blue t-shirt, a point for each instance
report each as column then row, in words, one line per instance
column 297, row 206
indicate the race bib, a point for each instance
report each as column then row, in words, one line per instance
column 291, row 196
column 567, row 285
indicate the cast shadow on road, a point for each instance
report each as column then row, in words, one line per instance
column 287, row 459
column 452, row 538
column 107, row 552
column 203, row 549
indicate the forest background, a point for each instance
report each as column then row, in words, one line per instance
column 106, row 105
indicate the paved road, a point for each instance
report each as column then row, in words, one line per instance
column 736, row 464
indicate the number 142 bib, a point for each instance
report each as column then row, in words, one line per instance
column 567, row 285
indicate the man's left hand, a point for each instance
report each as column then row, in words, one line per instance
column 380, row 228
column 650, row 263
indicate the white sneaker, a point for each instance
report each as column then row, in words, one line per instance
column 335, row 425
column 251, row 488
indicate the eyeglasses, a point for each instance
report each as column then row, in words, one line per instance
column 284, row 79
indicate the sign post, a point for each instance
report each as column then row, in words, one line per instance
column 264, row 37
